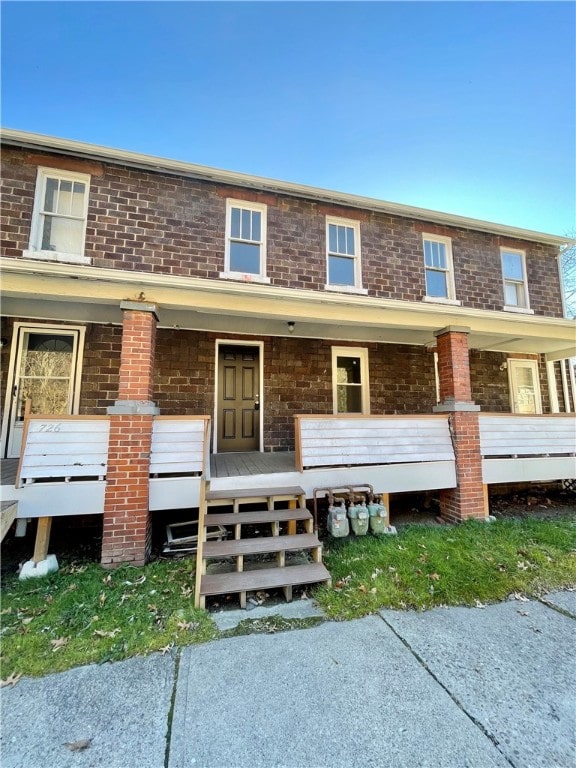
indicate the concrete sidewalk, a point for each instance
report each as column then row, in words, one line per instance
column 450, row 688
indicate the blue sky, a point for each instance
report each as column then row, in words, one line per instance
column 462, row 107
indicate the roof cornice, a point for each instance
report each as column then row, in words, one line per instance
column 38, row 142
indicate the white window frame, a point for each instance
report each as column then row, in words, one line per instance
column 341, row 288
column 525, row 307
column 362, row 354
column 230, row 274
column 448, row 271
column 35, row 246
column 20, row 328
column 513, row 365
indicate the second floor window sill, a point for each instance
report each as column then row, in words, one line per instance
column 245, row 277
column 442, row 300
column 57, row 256
column 520, row 310
column 346, row 289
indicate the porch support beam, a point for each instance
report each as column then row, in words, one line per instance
column 552, row 386
column 42, row 539
column 572, row 382
column 469, row 498
column 567, row 406
column 127, row 529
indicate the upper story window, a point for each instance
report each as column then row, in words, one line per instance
column 245, row 255
column 439, row 268
column 514, row 277
column 59, row 219
column 343, row 254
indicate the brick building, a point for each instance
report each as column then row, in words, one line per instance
column 136, row 287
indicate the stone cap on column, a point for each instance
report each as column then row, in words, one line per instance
column 138, row 407
column 452, row 329
column 139, row 306
column 455, row 406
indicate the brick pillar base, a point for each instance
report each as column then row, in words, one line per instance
column 127, row 529
column 467, row 500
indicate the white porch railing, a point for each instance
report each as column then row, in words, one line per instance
column 61, row 449
column 355, row 440
column 520, row 448
column 391, row 453
column 67, row 447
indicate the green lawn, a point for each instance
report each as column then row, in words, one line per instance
column 426, row 566
column 84, row 614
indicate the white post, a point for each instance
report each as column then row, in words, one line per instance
column 551, row 374
column 567, row 407
column 570, row 362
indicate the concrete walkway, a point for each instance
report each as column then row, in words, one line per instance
column 449, row 688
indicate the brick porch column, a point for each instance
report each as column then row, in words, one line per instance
column 127, row 531
column 467, row 500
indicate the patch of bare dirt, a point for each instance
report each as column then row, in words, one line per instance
column 545, row 505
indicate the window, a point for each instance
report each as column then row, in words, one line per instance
column 343, row 254
column 438, row 266
column 245, row 240
column 59, row 218
column 514, row 277
column 350, row 380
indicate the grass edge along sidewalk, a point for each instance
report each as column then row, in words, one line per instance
column 84, row 614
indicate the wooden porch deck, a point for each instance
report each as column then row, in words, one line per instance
column 251, row 463
column 8, row 469
column 221, row 465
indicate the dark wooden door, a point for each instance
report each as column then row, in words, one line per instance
column 238, row 399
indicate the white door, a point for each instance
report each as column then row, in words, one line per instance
column 524, row 386
column 44, row 369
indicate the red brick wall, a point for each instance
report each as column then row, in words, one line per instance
column 141, row 221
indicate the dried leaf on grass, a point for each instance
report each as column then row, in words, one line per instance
column 186, row 626
column 60, row 642
column 141, row 580
column 12, row 679
column 105, row 633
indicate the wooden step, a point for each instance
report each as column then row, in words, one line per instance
column 269, row 578
column 257, row 517
column 260, row 545
column 255, row 494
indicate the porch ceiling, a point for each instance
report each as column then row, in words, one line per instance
column 90, row 295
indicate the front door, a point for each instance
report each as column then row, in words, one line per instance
column 238, row 398
column 45, row 370
column 524, row 386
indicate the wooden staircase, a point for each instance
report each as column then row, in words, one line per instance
column 282, row 525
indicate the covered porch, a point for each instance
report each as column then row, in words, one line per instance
column 152, row 347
